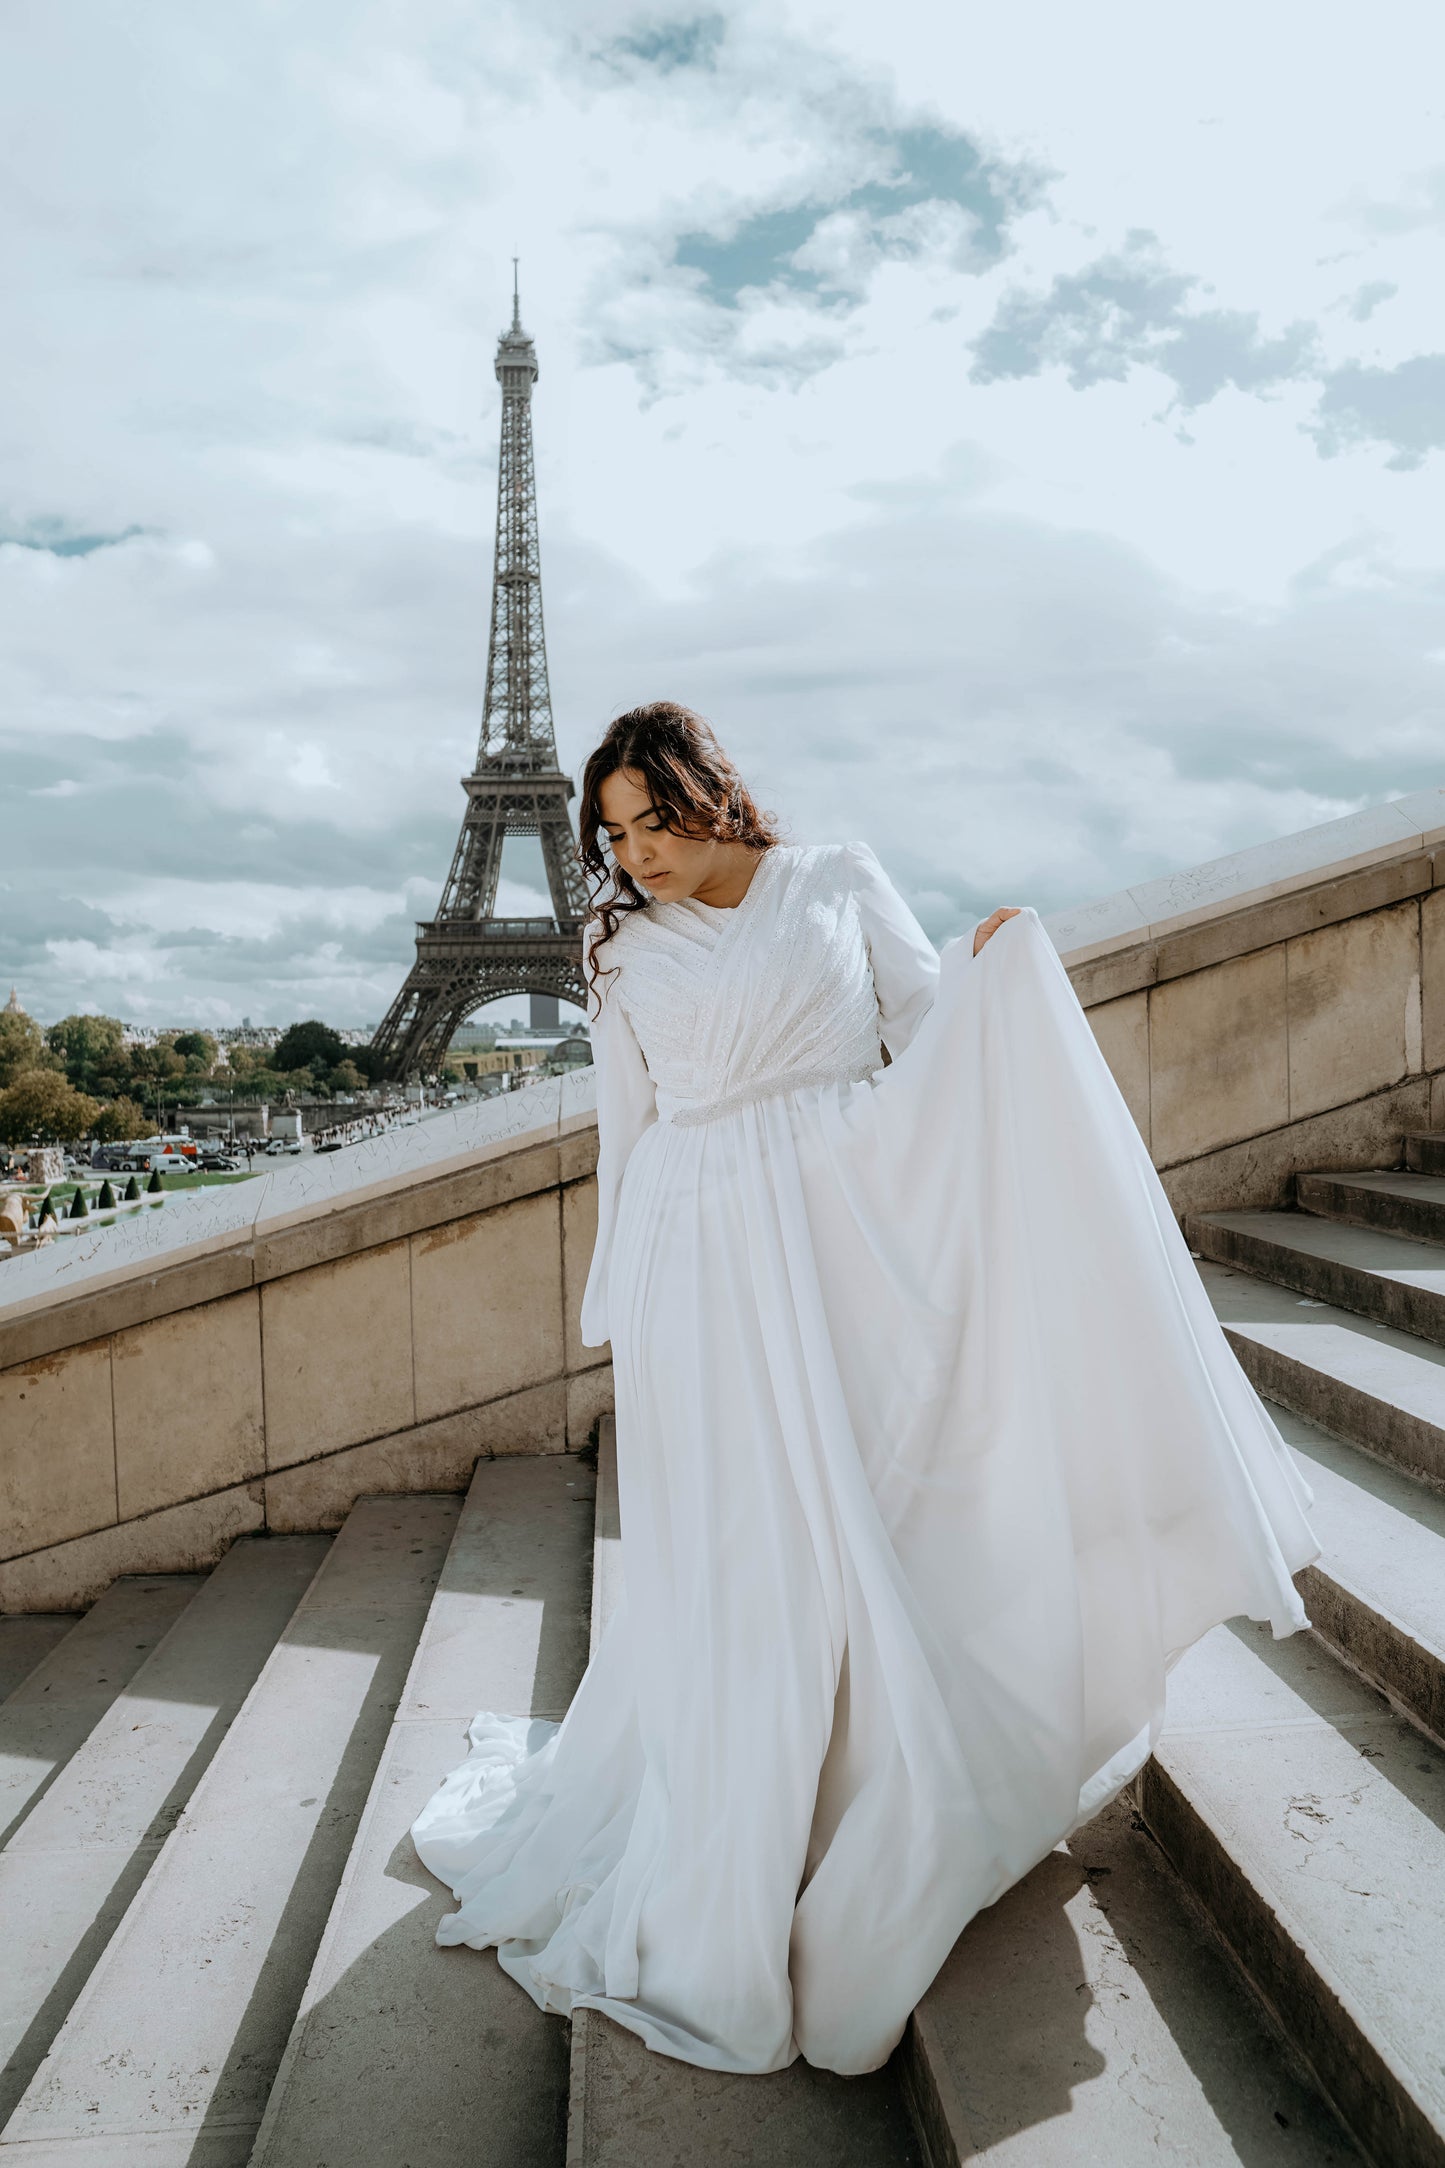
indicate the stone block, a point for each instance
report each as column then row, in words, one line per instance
column 1432, row 979
column 431, row 1456
column 1354, row 1009
column 579, row 1234
column 430, row 1199
column 487, row 1305
column 182, row 1539
column 1300, row 911
column 1122, row 1030
column 57, row 1474
column 577, row 1151
column 188, row 1407
column 1218, row 1056
column 337, row 1353
column 589, row 1395
column 46, row 1319
column 1259, row 1175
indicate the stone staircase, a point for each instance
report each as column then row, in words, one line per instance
column 218, row 1944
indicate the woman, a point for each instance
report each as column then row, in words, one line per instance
column 931, row 1454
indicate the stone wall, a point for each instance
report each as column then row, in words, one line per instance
column 1302, row 1029
column 415, row 1310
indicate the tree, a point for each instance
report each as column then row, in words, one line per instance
column 119, row 1122
column 22, row 1045
column 302, row 1044
column 89, row 1046
column 346, row 1077
column 198, row 1051
column 41, row 1105
column 160, row 1060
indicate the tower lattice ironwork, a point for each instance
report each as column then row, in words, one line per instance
column 466, row 956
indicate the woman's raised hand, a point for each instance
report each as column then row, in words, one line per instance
column 992, row 923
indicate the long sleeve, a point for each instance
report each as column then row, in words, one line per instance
column 904, row 960
column 626, row 1105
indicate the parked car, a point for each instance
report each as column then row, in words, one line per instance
column 221, row 1163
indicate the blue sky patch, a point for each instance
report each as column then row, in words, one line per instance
column 52, row 535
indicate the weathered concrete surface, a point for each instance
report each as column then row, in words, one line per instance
column 1386, row 1277
column 169, row 2051
column 631, row 2108
column 1379, row 1387
column 79, row 1856
column 1395, row 1202
column 401, row 2051
column 25, row 1642
column 1089, row 2017
column 45, row 1719
column 1377, row 1595
column 1309, row 1820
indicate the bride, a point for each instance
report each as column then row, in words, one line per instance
column 932, row 1456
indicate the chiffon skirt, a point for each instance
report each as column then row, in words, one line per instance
column 932, row 1459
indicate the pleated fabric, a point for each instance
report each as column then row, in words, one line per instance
column 932, row 1460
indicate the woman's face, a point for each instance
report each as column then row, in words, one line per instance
column 669, row 866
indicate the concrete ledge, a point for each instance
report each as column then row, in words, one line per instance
column 61, row 1314
column 1328, row 901
column 1402, row 827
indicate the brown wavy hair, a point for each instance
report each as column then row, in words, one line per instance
column 691, row 781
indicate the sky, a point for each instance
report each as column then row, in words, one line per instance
column 1021, row 431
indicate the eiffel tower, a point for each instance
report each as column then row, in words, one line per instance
column 466, row 956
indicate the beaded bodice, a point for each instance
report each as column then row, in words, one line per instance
column 730, row 1006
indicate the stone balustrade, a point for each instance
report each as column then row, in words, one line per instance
column 379, row 1318
column 261, row 1355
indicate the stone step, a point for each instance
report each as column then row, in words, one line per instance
column 72, row 1867
column 1308, row 1818
column 1425, row 1151
column 1381, row 1388
column 1389, row 1278
column 26, row 1641
column 44, row 1720
column 1088, row 2017
column 1377, row 1595
column 1411, row 1203
column 169, row 2051
column 401, row 2051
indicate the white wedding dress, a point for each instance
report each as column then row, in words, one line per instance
column 932, row 1458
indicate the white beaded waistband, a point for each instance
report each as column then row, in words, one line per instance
column 776, row 1087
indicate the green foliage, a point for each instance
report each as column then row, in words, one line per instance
column 302, row 1044
column 160, row 1061
column 106, row 1200
column 22, row 1046
column 346, row 1077
column 47, row 1209
column 79, row 1209
column 155, row 1187
column 197, row 1050
column 88, row 1047
column 131, row 1190
column 120, row 1121
column 41, row 1106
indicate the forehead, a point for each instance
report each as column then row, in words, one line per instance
column 623, row 796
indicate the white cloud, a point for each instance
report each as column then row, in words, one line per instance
column 1032, row 644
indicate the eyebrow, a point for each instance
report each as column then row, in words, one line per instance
column 648, row 812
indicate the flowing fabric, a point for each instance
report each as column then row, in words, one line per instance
column 932, row 1459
